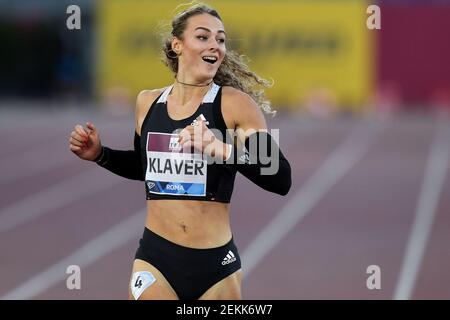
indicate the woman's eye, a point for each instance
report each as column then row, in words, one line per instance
column 221, row 40
column 202, row 37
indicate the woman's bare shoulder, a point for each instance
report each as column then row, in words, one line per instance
column 241, row 107
column 231, row 94
column 144, row 101
column 146, row 97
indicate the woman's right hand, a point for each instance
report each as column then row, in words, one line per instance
column 85, row 142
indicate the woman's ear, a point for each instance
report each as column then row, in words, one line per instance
column 176, row 45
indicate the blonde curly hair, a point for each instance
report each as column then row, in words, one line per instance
column 233, row 72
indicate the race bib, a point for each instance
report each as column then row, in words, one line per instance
column 172, row 169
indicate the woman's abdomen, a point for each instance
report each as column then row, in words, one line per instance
column 190, row 223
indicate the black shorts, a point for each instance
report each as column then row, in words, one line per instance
column 190, row 272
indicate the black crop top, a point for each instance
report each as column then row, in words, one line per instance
column 171, row 173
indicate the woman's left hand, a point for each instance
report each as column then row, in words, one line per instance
column 203, row 139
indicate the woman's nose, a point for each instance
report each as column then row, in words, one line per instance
column 214, row 45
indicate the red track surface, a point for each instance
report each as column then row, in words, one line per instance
column 364, row 219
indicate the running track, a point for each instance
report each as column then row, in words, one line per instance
column 365, row 192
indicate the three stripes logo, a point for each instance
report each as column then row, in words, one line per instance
column 229, row 258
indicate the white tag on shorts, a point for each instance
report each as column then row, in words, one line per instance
column 140, row 281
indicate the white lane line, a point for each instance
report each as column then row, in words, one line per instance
column 55, row 197
column 92, row 251
column 434, row 177
column 336, row 166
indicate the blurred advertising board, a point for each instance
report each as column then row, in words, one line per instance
column 304, row 46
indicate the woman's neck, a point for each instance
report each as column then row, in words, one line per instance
column 186, row 89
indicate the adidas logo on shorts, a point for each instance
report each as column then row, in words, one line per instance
column 229, row 258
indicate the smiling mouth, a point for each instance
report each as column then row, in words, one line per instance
column 210, row 59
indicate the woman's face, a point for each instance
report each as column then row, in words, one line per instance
column 202, row 48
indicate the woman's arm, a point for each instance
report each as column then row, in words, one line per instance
column 256, row 155
column 125, row 163
column 128, row 163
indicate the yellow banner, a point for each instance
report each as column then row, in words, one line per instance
column 308, row 47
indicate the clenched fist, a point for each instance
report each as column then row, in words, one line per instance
column 85, row 142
